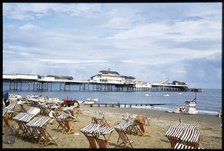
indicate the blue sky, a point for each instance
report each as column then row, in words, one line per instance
column 150, row 41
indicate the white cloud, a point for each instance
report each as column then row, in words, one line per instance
column 153, row 39
column 28, row 26
column 70, row 61
column 185, row 31
column 37, row 10
column 142, row 31
column 122, row 18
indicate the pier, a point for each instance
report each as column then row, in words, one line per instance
column 36, row 83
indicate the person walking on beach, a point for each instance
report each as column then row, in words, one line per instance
column 51, row 114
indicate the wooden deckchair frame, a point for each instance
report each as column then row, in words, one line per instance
column 92, row 141
column 100, row 119
column 106, row 133
column 123, row 138
column 102, row 143
column 63, row 121
column 126, row 117
column 45, row 109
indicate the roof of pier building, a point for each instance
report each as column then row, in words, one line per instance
column 109, row 72
column 106, row 73
column 61, row 77
column 21, row 76
column 178, row 83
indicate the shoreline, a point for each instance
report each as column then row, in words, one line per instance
column 159, row 113
column 161, row 109
column 209, row 125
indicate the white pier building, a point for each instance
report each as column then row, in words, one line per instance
column 104, row 76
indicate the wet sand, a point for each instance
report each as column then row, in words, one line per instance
column 209, row 126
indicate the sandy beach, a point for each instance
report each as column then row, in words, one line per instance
column 209, row 126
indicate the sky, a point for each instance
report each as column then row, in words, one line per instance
column 150, row 41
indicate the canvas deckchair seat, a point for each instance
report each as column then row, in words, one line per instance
column 20, row 115
column 103, row 130
column 90, row 128
column 11, row 106
column 122, row 126
column 27, row 117
column 183, row 146
column 9, row 109
column 34, row 110
column 184, row 133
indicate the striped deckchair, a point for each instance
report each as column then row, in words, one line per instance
column 123, row 138
column 183, row 133
column 23, row 118
column 38, row 131
column 88, row 132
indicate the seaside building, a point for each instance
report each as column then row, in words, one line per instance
column 43, row 78
column 129, row 79
column 57, row 77
column 173, row 86
column 139, row 85
column 21, row 76
column 178, row 83
column 105, row 76
column 113, row 77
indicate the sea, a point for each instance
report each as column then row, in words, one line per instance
column 209, row 101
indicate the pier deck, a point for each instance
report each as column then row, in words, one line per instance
column 36, row 84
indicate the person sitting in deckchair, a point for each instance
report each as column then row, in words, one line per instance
column 20, row 103
column 7, row 120
column 68, row 128
column 140, row 121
